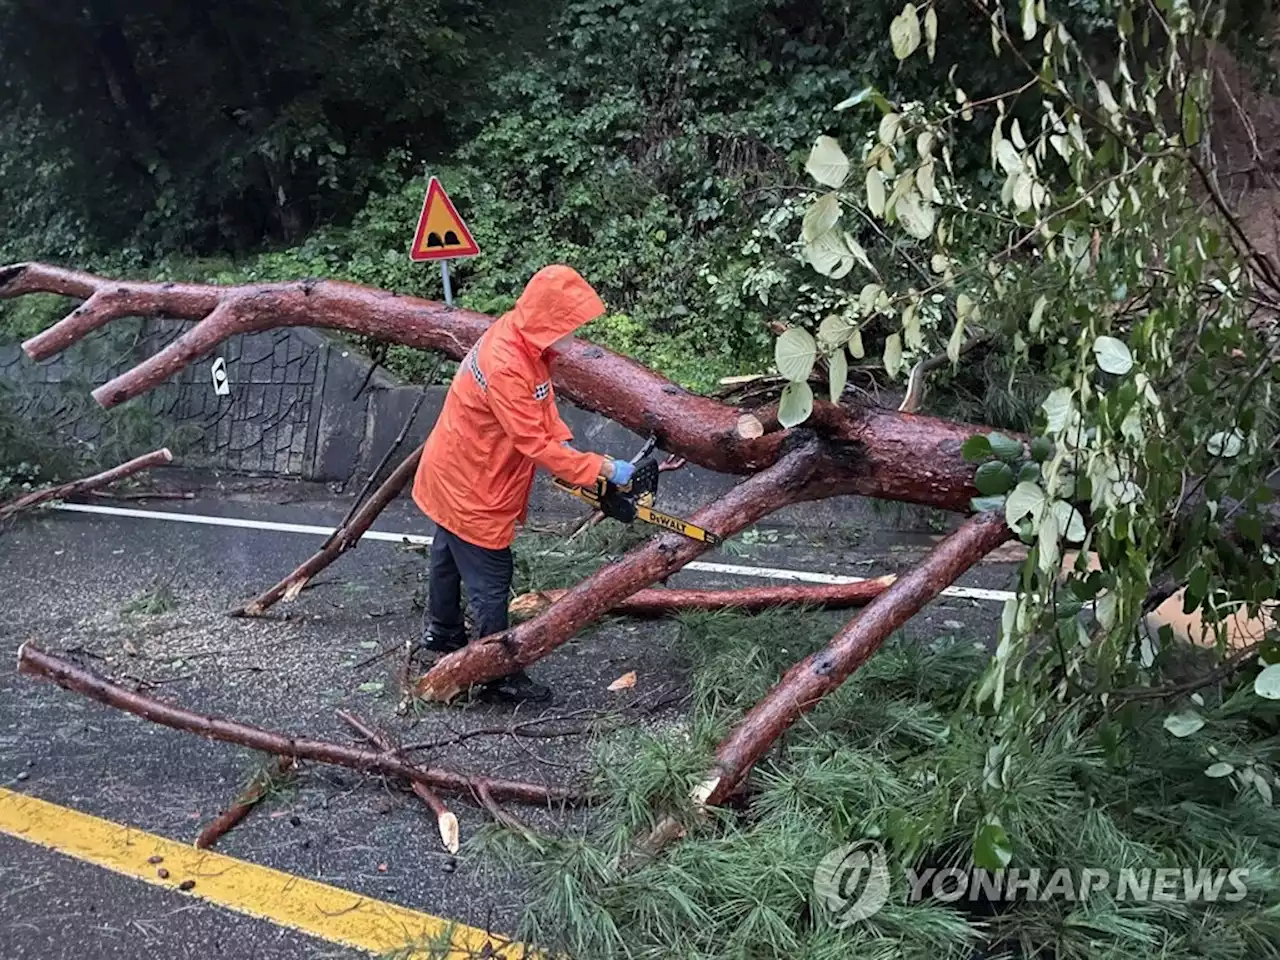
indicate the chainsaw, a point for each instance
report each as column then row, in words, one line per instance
column 635, row 501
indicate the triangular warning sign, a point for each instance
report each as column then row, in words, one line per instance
column 441, row 233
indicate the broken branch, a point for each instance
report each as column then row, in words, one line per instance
column 660, row 602
column 85, row 484
column 250, row 798
column 805, row 684
column 35, row 662
column 342, row 539
column 446, row 822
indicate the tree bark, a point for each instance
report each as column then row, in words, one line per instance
column 877, row 453
column 251, row 797
column 805, row 684
column 664, row 603
column 798, row 476
column 341, row 540
column 35, row 662
column 95, row 482
column 446, row 822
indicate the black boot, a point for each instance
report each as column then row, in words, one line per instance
column 516, row 687
column 442, row 645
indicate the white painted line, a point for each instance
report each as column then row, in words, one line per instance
column 240, row 522
column 728, row 569
column 804, row 576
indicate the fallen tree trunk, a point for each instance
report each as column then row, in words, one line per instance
column 346, row 536
column 877, row 453
column 145, row 462
column 446, row 822
column 805, row 684
column 249, row 799
column 798, row 476
column 35, row 662
column 668, row 602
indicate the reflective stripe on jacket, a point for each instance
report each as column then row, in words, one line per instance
column 499, row 422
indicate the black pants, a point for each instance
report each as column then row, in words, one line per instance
column 487, row 576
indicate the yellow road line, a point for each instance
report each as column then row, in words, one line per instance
column 317, row 909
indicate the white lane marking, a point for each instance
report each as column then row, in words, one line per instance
column 770, row 573
column 242, row 523
column 728, row 569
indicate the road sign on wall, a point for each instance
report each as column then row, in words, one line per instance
column 441, row 234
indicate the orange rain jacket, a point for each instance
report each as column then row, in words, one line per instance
column 500, row 423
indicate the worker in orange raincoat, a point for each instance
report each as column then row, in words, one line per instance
column 498, row 425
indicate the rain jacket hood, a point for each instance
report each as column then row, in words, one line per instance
column 556, row 301
column 499, row 422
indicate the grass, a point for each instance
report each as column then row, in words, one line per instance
column 157, row 599
column 897, row 755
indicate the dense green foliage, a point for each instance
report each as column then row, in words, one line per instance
column 648, row 144
column 896, row 754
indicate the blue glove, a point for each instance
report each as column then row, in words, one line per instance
column 622, row 473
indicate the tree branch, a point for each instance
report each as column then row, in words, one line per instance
column 98, row 480
column 881, row 453
column 805, row 684
column 35, row 662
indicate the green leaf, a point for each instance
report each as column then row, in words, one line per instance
column 838, row 369
column 917, row 218
column 1113, row 355
column 374, row 686
column 1029, row 473
column 986, row 504
column 1026, row 499
column 1057, row 408
column 1263, row 788
column 859, row 254
column 890, row 124
column 991, row 847
column 795, row 353
column 893, row 354
column 1183, row 724
column 829, row 256
column 855, row 345
column 875, row 192
column 796, row 404
column 1041, row 449
column 1006, row 448
column 931, row 31
column 1267, row 683
column 1037, row 314
column 1028, row 19
column 834, row 331
column 1219, row 770
column 1069, row 520
column 976, row 449
column 820, row 218
column 1008, row 157
column 862, row 96
column 827, row 163
column 994, row 478
column 904, row 32
column 1226, row 445
column 956, row 340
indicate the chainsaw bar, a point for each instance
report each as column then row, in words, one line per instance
column 595, row 497
column 676, row 525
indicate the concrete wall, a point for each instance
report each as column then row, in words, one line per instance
column 291, row 410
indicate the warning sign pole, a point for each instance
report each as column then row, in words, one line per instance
column 448, row 287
